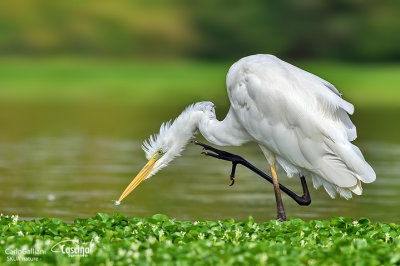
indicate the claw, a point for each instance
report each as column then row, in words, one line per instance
column 233, row 181
column 199, row 143
column 196, row 142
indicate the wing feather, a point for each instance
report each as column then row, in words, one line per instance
column 301, row 119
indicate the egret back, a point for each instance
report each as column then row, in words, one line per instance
column 300, row 120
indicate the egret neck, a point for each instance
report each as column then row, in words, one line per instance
column 173, row 137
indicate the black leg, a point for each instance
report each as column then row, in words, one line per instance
column 233, row 173
column 303, row 200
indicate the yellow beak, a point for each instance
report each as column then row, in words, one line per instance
column 147, row 169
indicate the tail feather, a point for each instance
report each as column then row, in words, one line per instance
column 332, row 189
column 357, row 189
column 342, row 169
column 351, row 158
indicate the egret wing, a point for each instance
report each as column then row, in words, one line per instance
column 299, row 118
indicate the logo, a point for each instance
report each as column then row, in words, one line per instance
column 24, row 255
column 74, row 248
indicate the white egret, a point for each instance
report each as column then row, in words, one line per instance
column 299, row 121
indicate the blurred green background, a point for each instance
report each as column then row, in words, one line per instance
column 83, row 83
column 224, row 29
column 140, row 50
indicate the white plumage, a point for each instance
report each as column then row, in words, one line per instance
column 299, row 121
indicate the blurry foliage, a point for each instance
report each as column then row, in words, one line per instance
column 138, row 82
column 355, row 29
column 117, row 28
column 345, row 29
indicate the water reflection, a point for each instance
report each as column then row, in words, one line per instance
column 71, row 161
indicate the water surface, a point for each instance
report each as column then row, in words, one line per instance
column 72, row 160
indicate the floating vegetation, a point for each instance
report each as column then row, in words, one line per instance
column 120, row 240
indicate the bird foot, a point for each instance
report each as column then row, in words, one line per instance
column 219, row 154
column 233, row 181
column 223, row 155
column 281, row 216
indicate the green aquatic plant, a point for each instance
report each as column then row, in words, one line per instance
column 120, row 240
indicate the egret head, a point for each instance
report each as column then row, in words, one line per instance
column 162, row 148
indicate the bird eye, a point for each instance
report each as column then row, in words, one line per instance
column 158, row 154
